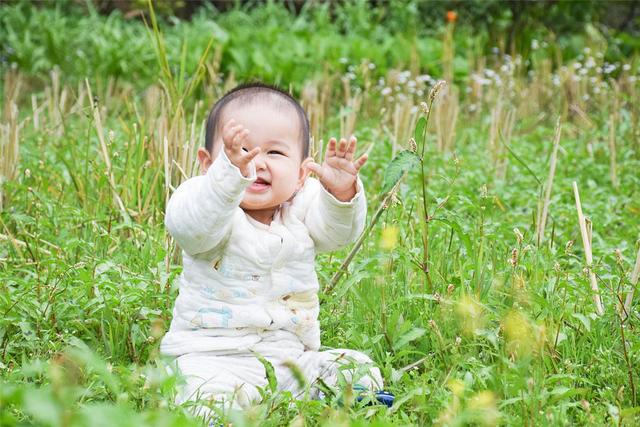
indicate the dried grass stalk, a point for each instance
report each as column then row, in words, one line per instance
column 500, row 134
column 634, row 282
column 543, row 212
column 9, row 132
column 349, row 113
column 612, row 150
column 586, row 242
column 404, row 121
column 104, row 151
column 446, row 118
column 315, row 100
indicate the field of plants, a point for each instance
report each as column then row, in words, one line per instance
column 494, row 284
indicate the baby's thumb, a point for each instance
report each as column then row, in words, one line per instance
column 315, row 168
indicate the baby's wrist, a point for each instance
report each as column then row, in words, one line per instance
column 345, row 195
column 245, row 169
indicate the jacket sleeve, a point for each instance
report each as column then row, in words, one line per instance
column 200, row 212
column 333, row 224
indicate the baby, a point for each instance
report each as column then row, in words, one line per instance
column 249, row 227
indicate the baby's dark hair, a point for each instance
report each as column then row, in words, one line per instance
column 246, row 93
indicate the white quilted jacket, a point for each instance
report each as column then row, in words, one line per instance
column 245, row 282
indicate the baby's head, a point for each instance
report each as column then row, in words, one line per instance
column 278, row 125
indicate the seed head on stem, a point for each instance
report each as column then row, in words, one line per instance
column 435, row 90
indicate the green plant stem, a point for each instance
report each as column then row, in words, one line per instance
column 425, row 212
column 356, row 247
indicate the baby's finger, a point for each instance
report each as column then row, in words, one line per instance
column 361, row 161
column 316, row 168
column 342, row 148
column 230, row 136
column 228, row 125
column 238, row 139
column 247, row 157
column 331, row 148
column 227, row 130
column 346, row 166
column 351, row 148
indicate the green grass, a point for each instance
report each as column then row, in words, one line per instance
column 494, row 336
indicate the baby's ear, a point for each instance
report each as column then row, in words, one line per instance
column 304, row 172
column 205, row 159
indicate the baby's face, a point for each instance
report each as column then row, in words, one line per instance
column 279, row 166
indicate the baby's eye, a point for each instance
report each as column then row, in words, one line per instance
column 276, row 152
column 245, row 150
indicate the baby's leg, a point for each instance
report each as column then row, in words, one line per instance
column 355, row 367
column 223, row 381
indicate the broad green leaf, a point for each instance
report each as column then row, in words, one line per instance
column 584, row 320
column 403, row 162
column 269, row 372
column 412, row 335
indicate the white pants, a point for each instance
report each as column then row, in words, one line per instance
column 233, row 380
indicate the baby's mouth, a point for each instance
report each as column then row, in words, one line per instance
column 259, row 185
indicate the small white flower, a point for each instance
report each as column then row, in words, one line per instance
column 343, row 60
column 626, row 67
column 534, row 44
column 590, row 62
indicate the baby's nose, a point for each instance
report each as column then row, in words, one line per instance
column 260, row 161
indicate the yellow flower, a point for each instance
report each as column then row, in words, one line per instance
column 484, row 408
column 456, row 386
column 470, row 314
column 389, row 238
column 522, row 337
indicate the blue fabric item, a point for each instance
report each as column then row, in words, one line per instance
column 383, row 397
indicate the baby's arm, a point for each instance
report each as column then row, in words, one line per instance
column 337, row 211
column 200, row 212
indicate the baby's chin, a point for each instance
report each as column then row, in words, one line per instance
column 254, row 202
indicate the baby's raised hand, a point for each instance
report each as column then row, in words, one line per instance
column 234, row 137
column 338, row 173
